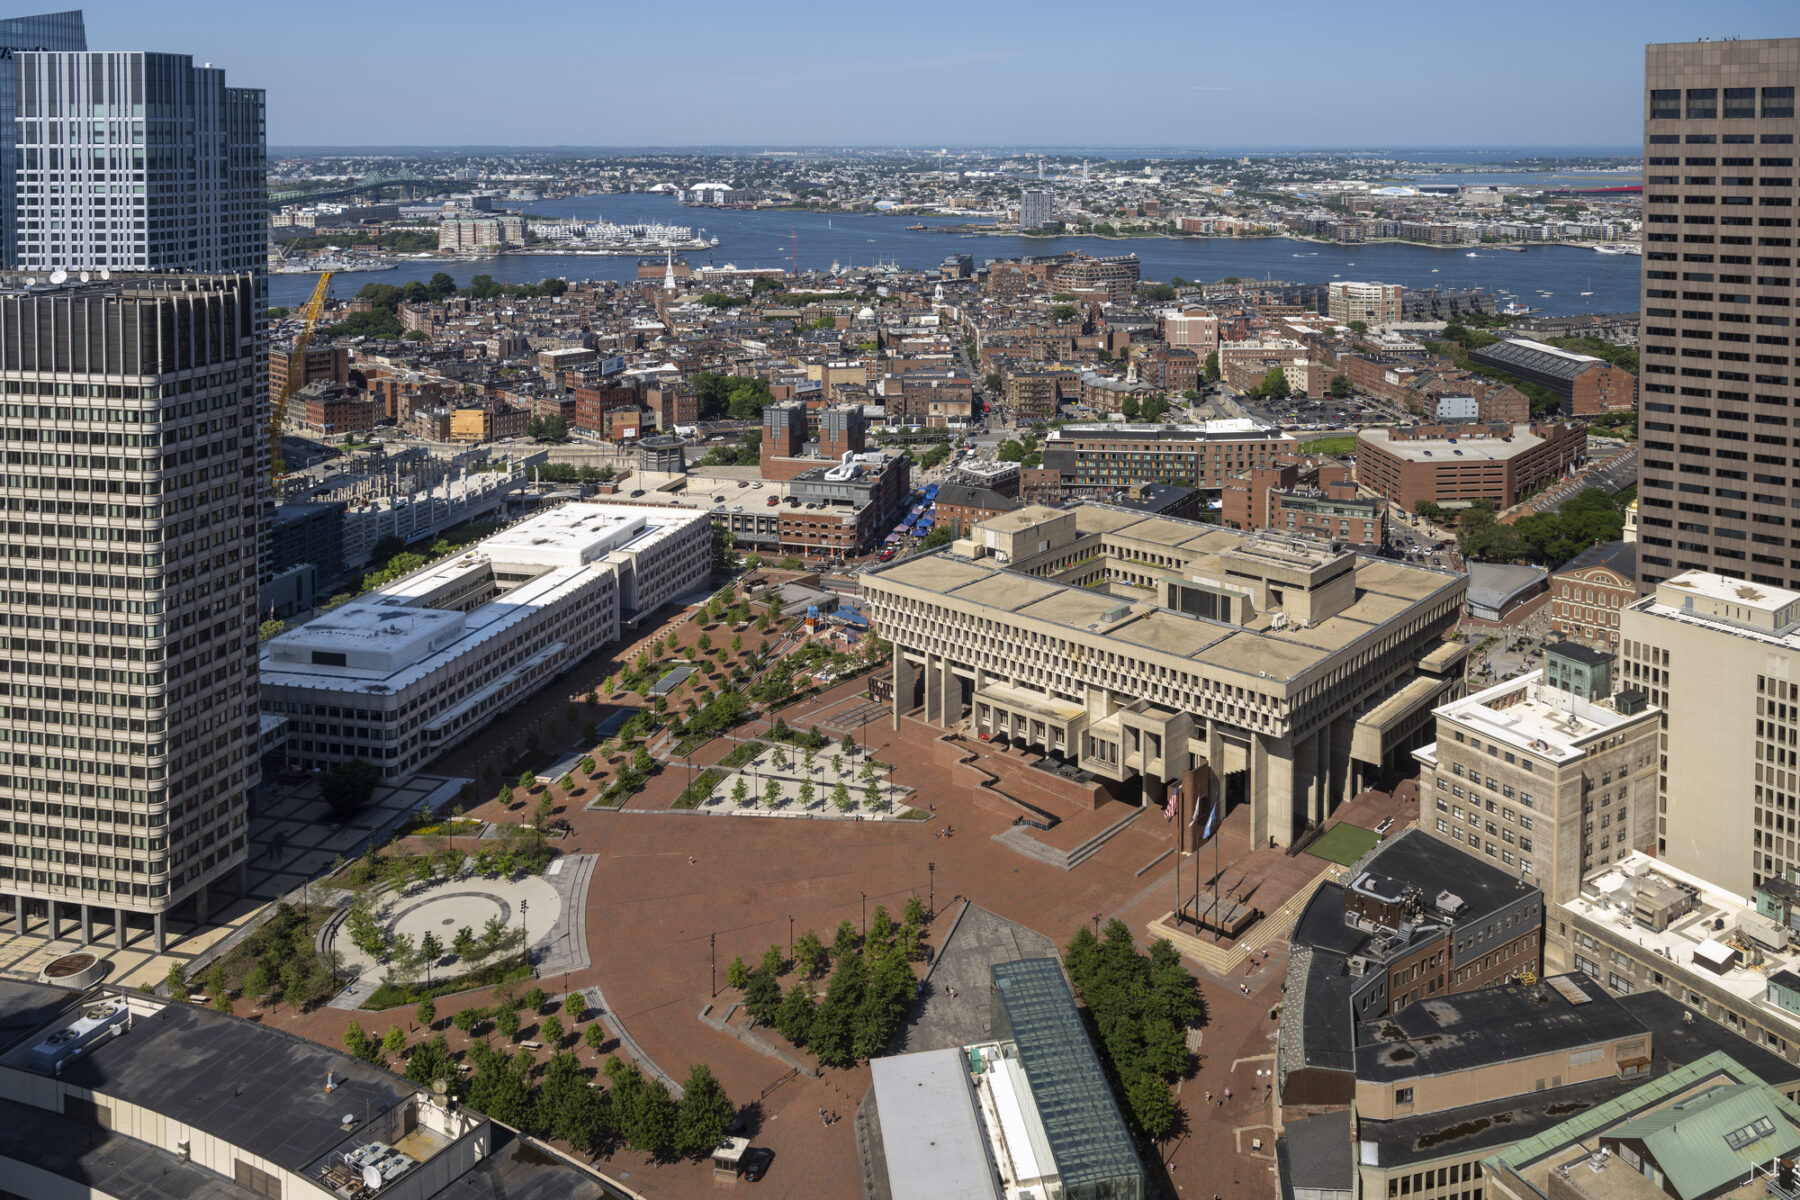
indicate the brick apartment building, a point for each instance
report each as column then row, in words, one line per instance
column 1456, row 464
column 1420, row 382
column 1311, row 496
column 593, row 404
column 961, row 505
column 331, row 409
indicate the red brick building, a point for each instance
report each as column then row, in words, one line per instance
column 1309, row 496
column 1587, row 594
column 593, row 403
column 1456, row 464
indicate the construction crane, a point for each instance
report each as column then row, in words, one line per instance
column 296, row 368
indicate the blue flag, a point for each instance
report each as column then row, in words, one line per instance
column 1212, row 822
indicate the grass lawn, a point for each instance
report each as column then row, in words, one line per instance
column 1330, row 445
column 1343, row 843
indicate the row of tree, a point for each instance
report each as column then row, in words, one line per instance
column 1141, row 1006
column 1552, row 538
column 866, row 997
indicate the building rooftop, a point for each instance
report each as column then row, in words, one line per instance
column 1709, row 929
column 933, row 1140
column 1754, row 610
column 1086, row 1135
column 1507, row 1023
column 1536, row 356
column 1222, row 429
column 1385, row 590
column 1542, row 721
column 1451, row 451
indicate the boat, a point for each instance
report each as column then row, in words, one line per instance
column 1516, row 310
column 1472, row 254
column 1618, row 248
column 915, row 228
column 1434, row 270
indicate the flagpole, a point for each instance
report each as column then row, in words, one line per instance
column 1217, row 830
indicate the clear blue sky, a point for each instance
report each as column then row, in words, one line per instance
column 1307, row 73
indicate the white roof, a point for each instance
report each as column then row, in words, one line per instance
column 935, row 1146
column 1541, row 348
column 1543, row 721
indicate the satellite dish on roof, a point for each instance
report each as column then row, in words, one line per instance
column 85, row 277
column 31, row 281
column 59, row 276
column 105, row 274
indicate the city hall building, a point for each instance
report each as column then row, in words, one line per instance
column 405, row 672
column 1147, row 650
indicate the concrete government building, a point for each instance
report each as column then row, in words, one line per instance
column 408, row 671
column 1149, row 651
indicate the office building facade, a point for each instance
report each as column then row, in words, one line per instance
column 47, row 31
column 130, row 702
column 1717, row 476
column 1721, row 656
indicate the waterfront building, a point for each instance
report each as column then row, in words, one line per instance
column 1037, row 208
column 1717, row 477
column 46, row 31
column 1721, row 656
column 132, row 701
column 1371, row 303
column 413, row 668
column 1148, row 650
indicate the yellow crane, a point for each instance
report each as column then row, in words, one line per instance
column 296, row 368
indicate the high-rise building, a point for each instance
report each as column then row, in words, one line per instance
column 137, row 162
column 165, row 170
column 1037, row 208
column 130, row 699
column 1720, row 656
column 1372, row 303
column 47, row 31
column 1717, row 476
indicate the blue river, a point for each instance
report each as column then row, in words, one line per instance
column 761, row 238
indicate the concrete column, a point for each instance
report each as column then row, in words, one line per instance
column 200, row 903
column 50, row 923
column 903, row 682
column 18, row 915
column 119, row 928
column 1343, row 767
column 1272, row 790
column 934, row 690
column 87, row 925
column 1323, row 801
column 156, row 927
column 951, row 700
column 243, row 873
column 1306, row 774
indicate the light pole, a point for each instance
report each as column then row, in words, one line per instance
column 1096, row 924
column 790, row 937
column 865, row 915
column 524, row 935
column 931, row 889
column 712, row 944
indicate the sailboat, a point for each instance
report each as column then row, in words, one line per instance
column 1590, row 284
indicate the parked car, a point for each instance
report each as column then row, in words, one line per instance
column 756, row 1162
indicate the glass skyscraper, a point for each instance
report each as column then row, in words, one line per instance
column 49, row 31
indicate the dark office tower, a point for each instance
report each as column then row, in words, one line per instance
column 1720, row 473
column 129, row 701
column 50, row 31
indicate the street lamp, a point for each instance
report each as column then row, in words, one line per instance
column 524, row 934
column 931, row 889
column 790, row 937
column 712, row 943
column 865, row 914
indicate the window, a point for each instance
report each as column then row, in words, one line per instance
column 1405, row 1096
column 1702, row 104
column 1738, row 1138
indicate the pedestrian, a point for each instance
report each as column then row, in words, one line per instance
column 1227, row 1093
column 1209, row 1096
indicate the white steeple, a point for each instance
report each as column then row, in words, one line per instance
column 669, row 272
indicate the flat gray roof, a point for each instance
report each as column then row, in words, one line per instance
column 936, row 1149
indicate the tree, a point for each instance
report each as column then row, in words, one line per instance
column 356, row 1041
column 806, row 793
column 1340, row 386
column 1159, row 293
column 762, row 996
column 347, row 788
column 914, row 912
column 845, row 943
column 176, row 982
column 703, row 1114
column 840, row 796
column 574, row 1006
column 1358, row 327
column 1210, row 369
column 881, row 925
column 546, row 806
column 738, row 974
column 395, row 1041
column 467, row 1019
column 593, row 1037
column 270, row 628
column 740, row 793
column 551, row 1030
column 794, row 1017
column 1274, row 385
column 872, row 794
column 507, row 1022
column 810, row 957
column 848, row 745
column 772, row 794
